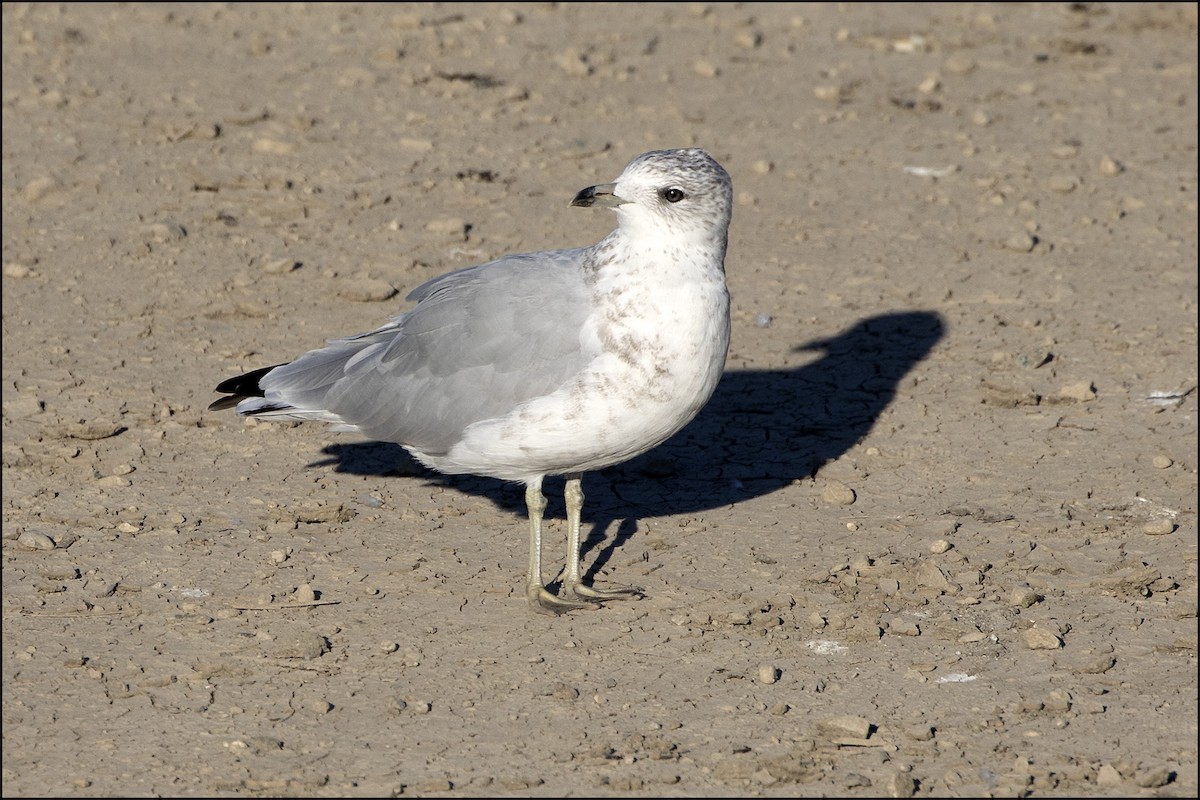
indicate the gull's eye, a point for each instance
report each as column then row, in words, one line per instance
column 672, row 195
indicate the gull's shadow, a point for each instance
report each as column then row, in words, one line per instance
column 762, row 430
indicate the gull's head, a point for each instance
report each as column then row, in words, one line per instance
column 668, row 193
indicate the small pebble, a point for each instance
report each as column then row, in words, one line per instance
column 940, row 546
column 305, row 594
column 165, row 231
column 1063, row 184
column 279, row 266
column 272, row 147
column 1162, row 462
column 366, row 290
column 112, row 481
column 929, row 574
column 736, row 618
column 1110, row 166
column 762, row 320
column 307, row 647
column 1158, row 527
column 748, row 39
column 574, row 62
column 1022, row 597
column 838, row 494
column 38, row 188
column 1154, row 777
column 1020, row 242
column 454, row 227
column 919, row 732
column 768, row 673
column 960, row 64
column 915, row 43
column 15, row 270
column 1080, row 391
column 1041, row 639
column 35, row 541
column 901, row 784
column 1058, row 700
column 565, row 692
column 762, row 166
column 1107, row 775
column 844, row 727
column 705, row 69
column 853, row 780
column 1096, row 664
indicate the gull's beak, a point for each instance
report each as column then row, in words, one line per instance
column 600, row 195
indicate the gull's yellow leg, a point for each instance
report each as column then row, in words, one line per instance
column 541, row 600
column 573, row 580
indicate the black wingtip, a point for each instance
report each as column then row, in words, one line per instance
column 240, row 387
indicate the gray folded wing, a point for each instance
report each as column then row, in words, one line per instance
column 479, row 342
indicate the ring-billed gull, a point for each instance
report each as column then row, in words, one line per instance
column 552, row 363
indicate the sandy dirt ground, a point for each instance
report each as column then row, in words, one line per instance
column 934, row 535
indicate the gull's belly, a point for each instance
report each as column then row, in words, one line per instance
column 646, row 383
